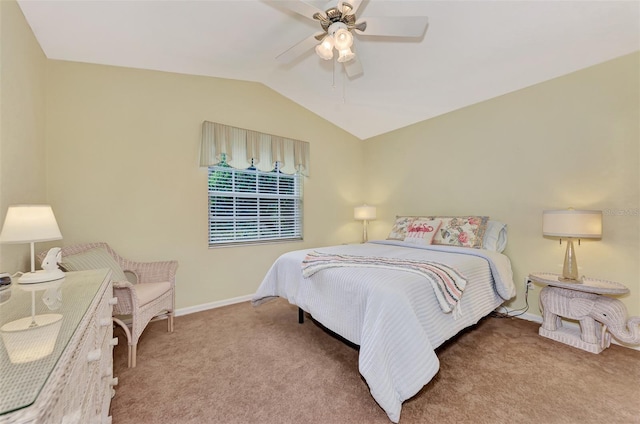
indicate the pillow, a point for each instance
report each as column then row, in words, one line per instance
column 495, row 237
column 95, row 258
column 399, row 229
column 422, row 231
column 463, row 231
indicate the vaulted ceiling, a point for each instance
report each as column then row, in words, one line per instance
column 472, row 50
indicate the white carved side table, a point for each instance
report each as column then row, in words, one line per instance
column 575, row 300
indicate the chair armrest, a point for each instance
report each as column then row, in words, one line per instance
column 127, row 298
column 152, row 272
column 122, row 285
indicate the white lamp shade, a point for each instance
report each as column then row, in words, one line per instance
column 29, row 223
column 572, row 223
column 364, row 213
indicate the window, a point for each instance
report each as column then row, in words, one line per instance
column 253, row 206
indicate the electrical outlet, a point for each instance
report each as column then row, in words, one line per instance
column 528, row 283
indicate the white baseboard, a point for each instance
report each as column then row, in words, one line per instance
column 573, row 325
column 212, row 305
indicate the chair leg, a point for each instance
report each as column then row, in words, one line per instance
column 132, row 355
column 130, row 359
column 170, row 323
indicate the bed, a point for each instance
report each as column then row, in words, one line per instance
column 393, row 315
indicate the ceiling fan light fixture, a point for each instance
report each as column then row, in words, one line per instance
column 345, row 55
column 343, row 39
column 327, row 43
column 339, row 27
column 325, row 50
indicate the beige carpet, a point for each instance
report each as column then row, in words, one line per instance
column 241, row 364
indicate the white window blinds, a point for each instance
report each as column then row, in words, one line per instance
column 248, row 206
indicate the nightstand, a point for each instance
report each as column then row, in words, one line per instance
column 582, row 301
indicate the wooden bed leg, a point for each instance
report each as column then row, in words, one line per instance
column 300, row 316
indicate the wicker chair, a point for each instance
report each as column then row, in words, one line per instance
column 153, row 294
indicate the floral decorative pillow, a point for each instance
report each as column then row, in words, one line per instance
column 463, row 231
column 399, row 229
column 422, row 231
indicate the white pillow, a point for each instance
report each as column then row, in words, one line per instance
column 495, row 236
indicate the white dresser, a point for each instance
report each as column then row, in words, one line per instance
column 59, row 370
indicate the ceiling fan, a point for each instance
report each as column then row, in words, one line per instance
column 339, row 24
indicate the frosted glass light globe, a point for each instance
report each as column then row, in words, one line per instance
column 343, row 39
column 346, row 55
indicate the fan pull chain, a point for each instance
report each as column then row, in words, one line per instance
column 333, row 82
column 344, row 87
column 333, row 76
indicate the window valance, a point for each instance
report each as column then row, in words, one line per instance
column 242, row 148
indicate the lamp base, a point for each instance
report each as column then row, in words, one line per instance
column 41, row 276
column 570, row 266
column 365, row 238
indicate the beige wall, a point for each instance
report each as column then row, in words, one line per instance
column 22, row 124
column 569, row 142
column 123, row 149
column 121, row 152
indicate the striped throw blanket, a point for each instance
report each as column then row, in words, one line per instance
column 448, row 284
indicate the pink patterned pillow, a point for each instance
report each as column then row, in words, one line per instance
column 422, row 231
column 463, row 231
column 399, row 229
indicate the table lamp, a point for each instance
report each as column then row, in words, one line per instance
column 30, row 224
column 364, row 213
column 570, row 224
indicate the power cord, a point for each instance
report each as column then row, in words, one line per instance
column 513, row 312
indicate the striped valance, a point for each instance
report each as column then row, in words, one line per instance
column 244, row 147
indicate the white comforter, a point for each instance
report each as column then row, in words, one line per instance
column 393, row 315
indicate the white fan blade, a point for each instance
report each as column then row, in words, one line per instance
column 297, row 6
column 302, row 47
column 395, row 26
column 353, row 68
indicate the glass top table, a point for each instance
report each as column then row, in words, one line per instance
column 36, row 323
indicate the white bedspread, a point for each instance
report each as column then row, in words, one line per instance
column 393, row 315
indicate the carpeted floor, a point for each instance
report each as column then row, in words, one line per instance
column 240, row 364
